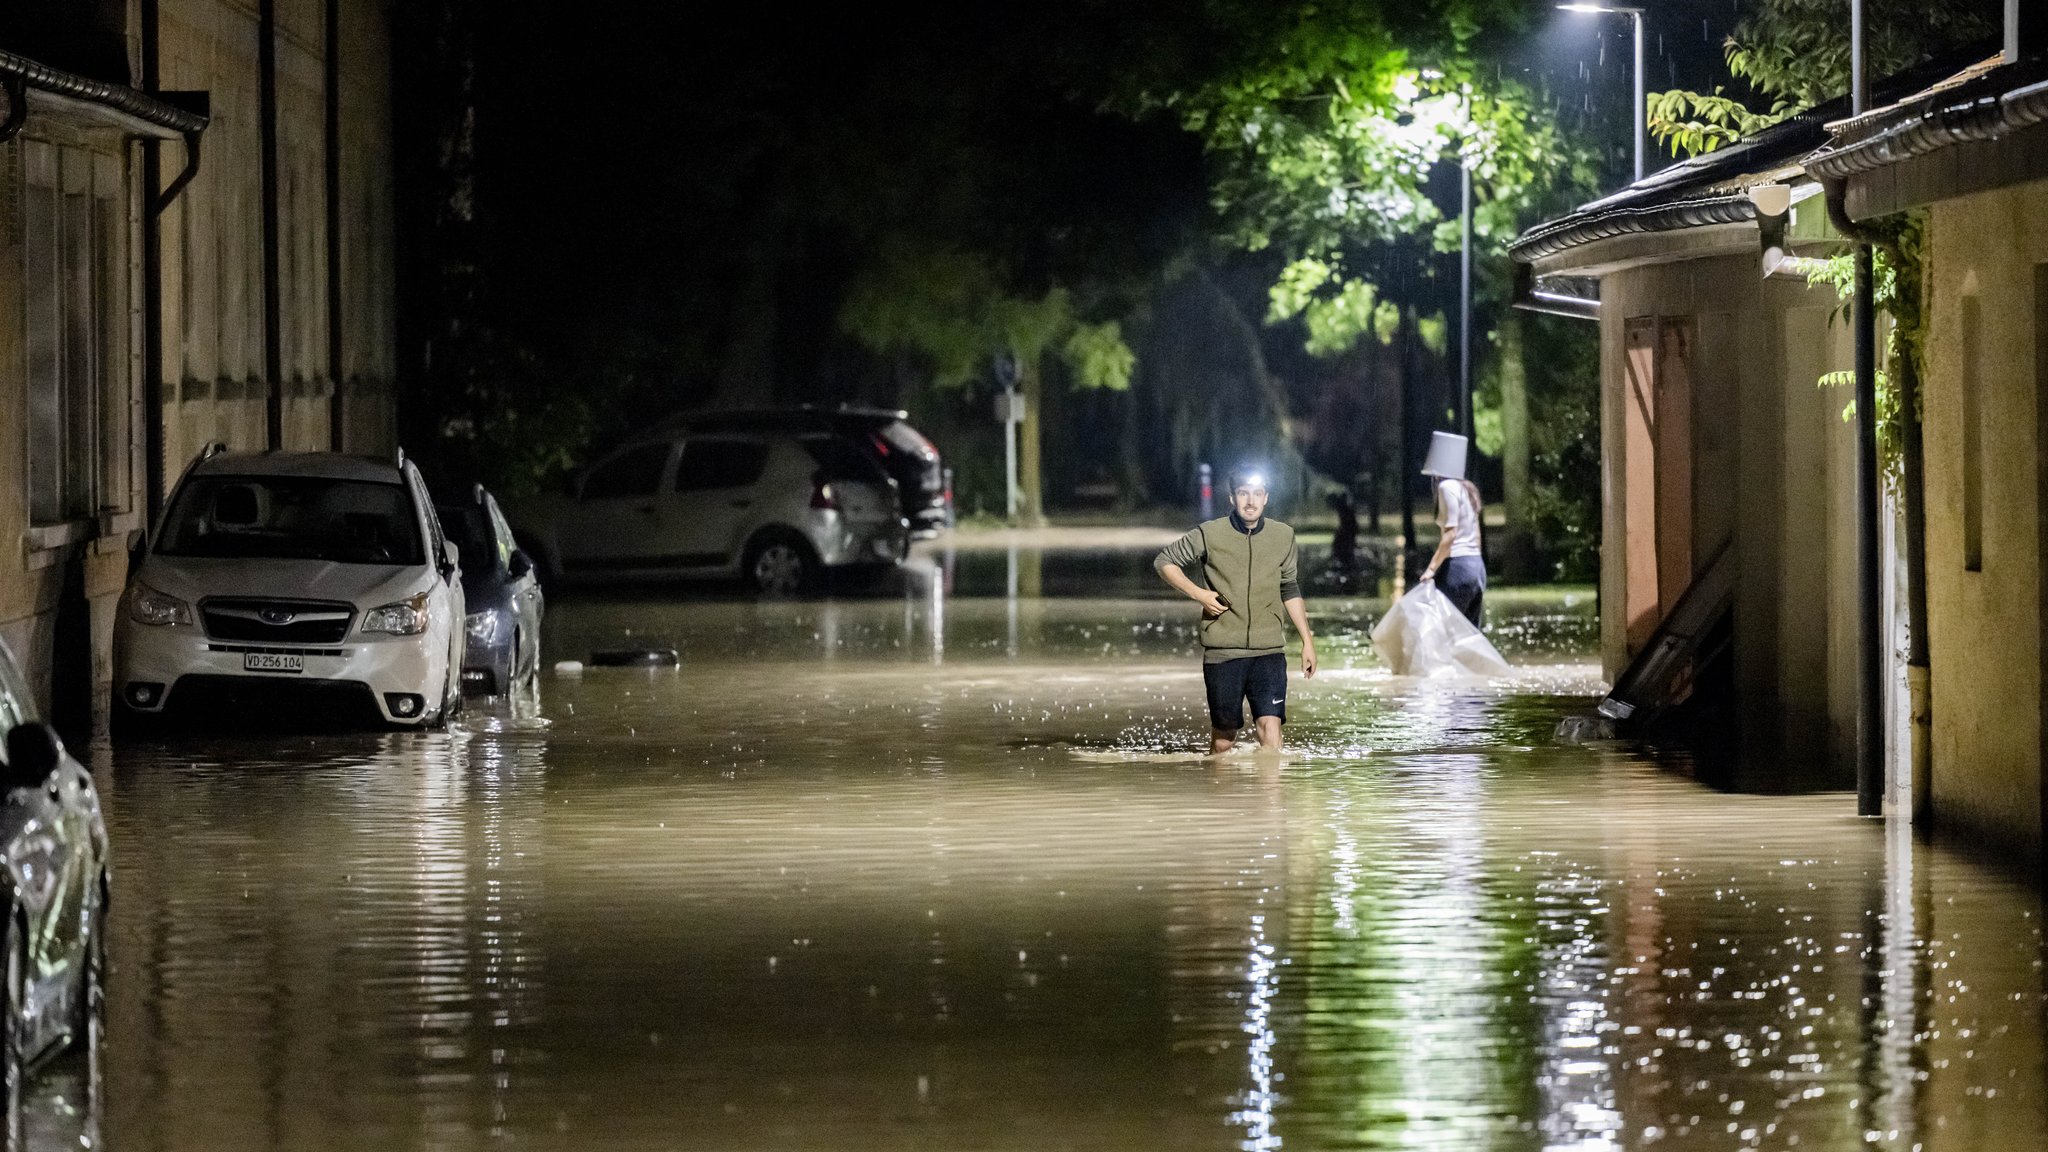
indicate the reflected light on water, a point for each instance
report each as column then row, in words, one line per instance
column 951, row 873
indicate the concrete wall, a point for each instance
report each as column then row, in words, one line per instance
column 1985, row 626
column 1772, row 467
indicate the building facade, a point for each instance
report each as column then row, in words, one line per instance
column 1720, row 443
column 1969, row 154
column 195, row 245
column 1713, row 428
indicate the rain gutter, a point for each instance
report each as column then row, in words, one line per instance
column 18, row 72
column 1600, row 224
column 1972, row 112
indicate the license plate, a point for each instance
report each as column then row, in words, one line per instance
column 272, row 662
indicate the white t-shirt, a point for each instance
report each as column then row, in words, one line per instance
column 1458, row 517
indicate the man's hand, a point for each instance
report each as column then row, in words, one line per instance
column 1308, row 658
column 1213, row 605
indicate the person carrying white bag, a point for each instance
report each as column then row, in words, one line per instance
column 1434, row 630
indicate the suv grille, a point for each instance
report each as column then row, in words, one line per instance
column 277, row 621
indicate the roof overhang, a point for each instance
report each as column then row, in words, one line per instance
column 1985, row 127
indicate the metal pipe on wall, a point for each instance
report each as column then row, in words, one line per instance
column 273, row 301
column 152, row 285
column 337, row 401
column 1870, row 742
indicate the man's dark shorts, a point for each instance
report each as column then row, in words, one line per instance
column 1262, row 679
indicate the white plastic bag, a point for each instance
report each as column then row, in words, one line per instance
column 1423, row 634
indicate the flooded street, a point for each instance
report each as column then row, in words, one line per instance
column 938, row 869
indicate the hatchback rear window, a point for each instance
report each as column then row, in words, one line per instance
column 293, row 518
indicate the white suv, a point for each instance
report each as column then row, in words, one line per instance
column 307, row 585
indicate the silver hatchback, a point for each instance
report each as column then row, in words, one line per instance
column 779, row 510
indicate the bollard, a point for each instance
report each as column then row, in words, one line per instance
column 1208, row 491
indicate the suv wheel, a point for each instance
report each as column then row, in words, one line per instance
column 781, row 566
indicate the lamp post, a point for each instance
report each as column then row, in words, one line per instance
column 1635, row 16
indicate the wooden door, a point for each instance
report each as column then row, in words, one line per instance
column 1639, row 481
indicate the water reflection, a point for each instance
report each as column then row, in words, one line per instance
column 940, row 870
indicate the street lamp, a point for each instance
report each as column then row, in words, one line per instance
column 1635, row 16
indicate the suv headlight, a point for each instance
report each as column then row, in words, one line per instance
column 146, row 605
column 405, row 618
column 483, row 626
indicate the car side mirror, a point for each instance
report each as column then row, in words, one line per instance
column 33, row 752
column 520, row 563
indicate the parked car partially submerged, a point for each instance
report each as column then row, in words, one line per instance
column 780, row 509
column 54, row 843
column 883, row 434
column 502, row 595
column 303, row 584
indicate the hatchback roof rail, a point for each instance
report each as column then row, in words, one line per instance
column 476, row 493
column 401, row 458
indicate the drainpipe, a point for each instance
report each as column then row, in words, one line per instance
column 1870, row 758
column 273, row 292
column 1528, row 298
column 157, row 200
column 1913, row 496
column 337, row 401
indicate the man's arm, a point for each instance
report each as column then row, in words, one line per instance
column 1172, row 564
column 1297, row 609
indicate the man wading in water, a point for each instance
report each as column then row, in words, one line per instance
column 1248, row 563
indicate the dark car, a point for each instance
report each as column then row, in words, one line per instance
column 885, row 434
column 502, row 594
column 54, row 844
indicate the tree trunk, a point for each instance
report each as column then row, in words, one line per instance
column 1030, row 476
column 1518, row 551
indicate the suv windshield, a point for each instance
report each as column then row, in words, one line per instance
column 293, row 518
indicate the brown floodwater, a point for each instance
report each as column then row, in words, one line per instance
column 938, row 870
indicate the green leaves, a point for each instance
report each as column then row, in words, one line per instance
column 1796, row 54
column 955, row 311
column 1098, row 357
column 1691, row 123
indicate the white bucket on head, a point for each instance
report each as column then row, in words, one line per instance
column 1446, row 458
